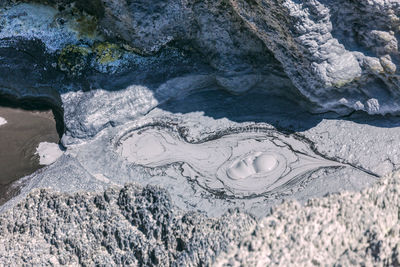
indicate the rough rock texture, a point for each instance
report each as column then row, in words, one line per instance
column 342, row 55
column 124, row 226
column 140, row 226
column 347, row 229
column 338, row 54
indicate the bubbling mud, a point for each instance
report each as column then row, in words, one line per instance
column 254, row 164
column 237, row 163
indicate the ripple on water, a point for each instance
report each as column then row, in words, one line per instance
column 238, row 164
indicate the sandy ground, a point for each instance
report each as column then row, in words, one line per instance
column 19, row 138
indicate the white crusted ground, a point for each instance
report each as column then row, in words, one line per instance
column 48, row 153
column 2, row 121
column 346, row 229
column 188, row 159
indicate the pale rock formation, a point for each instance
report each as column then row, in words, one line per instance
column 124, row 226
column 344, row 229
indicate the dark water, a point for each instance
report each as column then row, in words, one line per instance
column 19, row 138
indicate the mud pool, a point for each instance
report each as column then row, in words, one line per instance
column 20, row 135
column 246, row 164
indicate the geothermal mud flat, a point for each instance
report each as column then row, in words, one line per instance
column 182, row 139
column 244, row 162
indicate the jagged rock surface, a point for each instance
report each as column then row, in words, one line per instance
column 346, row 229
column 340, row 54
column 133, row 225
column 124, row 226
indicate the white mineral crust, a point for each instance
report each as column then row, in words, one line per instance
column 2, row 121
column 48, row 153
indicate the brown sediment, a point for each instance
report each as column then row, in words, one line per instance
column 35, row 104
column 19, row 137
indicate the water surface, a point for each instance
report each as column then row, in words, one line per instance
column 19, row 138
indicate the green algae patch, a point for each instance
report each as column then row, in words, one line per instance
column 82, row 23
column 106, row 52
column 74, row 59
column 86, row 25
